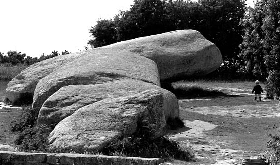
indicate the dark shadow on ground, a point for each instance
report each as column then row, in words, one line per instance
column 199, row 92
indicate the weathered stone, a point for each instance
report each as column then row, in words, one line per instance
column 70, row 98
column 98, row 95
column 18, row 158
column 177, row 54
column 96, row 67
column 26, row 81
column 95, row 125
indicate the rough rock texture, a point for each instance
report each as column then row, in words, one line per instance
column 26, row 81
column 96, row 67
column 70, row 98
column 33, row 158
column 97, row 95
column 179, row 53
column 93, row 126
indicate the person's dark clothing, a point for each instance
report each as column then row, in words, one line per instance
column 257, row 89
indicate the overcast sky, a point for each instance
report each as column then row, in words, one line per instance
column 35, row 27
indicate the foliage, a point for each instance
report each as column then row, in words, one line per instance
column 271, row 28
column 273, row 84
column 220, row 24
column 141, row 144
column 27, row 120
column 146, row 17
column 13, row 58
column 252, row 51
column 273, row 155
column 30, row 136
column 217, row 20
column 34, row 138
column 104, row 33
column 260, row 46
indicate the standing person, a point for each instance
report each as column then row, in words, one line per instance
column 257, row 90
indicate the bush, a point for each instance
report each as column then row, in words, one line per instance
column 135, row 146
column 273, row 84
column 27, row 120
column 141, row 144
column 273, row 155
column 30, row 137
column 34, row 138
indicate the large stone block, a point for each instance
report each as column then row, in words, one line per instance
column 96, row 67
column 95, row 96
column 177, row 54
column 68, row 99
column 92, row 127
column 26, row 81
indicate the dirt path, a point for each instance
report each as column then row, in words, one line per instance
column 227, row 129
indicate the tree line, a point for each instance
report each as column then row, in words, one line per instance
column 247, row 37
column 217, row 20
column 12, row 58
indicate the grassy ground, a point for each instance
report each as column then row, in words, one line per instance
column 3, row 85
column 242, row 124
column 9, row 72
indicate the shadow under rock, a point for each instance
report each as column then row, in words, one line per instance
column 198, row 92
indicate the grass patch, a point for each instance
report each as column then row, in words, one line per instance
column 142, row 144
column 8, row 72
column 30, row 136
column 27, row 120
column 33, row 139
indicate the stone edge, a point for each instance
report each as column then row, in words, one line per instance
column 8, row 157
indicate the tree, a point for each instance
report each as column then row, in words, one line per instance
column 104, row 33
column 271, row 30
column 217, row 20
column 220, row 23
column 252, row 51
column 2, row 57
column 15, row 57
column 30, row 60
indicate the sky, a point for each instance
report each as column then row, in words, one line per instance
column 35, row 27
